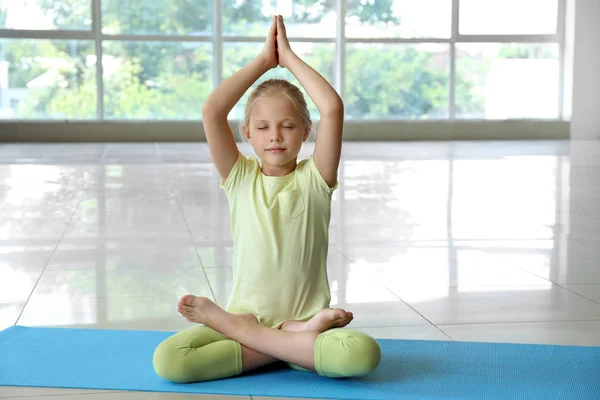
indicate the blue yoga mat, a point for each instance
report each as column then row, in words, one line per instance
column 409, row 369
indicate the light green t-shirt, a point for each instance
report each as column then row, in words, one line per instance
column 280, row 232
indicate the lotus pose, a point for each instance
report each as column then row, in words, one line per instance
column 280, row 212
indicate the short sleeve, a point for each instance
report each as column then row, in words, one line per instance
column 318, row 179
column 242, row 169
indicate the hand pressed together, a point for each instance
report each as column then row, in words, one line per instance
column 284, row 51
column 276, row 50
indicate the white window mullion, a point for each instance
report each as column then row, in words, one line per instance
column 261, row 39
column 97, row 32
column 217, row 43
column 340, row 46
column 560, row 30
column 46, row 34
column 452, row 86
column 393, row 40
column 518, row 38
column 157, row 38
column 453, row 37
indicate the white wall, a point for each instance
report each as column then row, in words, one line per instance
column 585, row 119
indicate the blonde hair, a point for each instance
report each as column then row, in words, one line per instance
column 278, row 86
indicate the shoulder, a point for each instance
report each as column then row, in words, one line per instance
column 307, row 170
column 251, row 162
column 247, row 164
column 244, row 168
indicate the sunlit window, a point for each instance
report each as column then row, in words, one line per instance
column 160, row 59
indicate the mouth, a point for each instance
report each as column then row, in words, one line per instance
column 276, row 149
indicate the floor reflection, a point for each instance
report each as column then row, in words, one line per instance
column 431, row 235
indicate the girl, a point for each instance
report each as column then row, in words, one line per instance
column 280, row 212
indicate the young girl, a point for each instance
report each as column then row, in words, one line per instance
column 280, row 212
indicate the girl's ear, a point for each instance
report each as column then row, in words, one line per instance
column 307, row 131
column 246, row 131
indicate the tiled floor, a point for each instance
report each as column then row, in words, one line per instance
column 466, row 241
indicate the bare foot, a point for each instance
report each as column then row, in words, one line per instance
column 195, row 308
column 324, row 320
column 198, row 309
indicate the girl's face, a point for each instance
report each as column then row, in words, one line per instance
column 276, row 131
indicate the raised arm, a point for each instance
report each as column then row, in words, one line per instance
column 328, row 146
column 220, row 139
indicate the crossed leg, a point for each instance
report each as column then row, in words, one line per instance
column 293, row 343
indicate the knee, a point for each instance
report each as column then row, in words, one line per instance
column 365, row 354
column 346, row 353
column 168, row 363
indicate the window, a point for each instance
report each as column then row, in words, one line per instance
column 52, row 79
column 309, row 19
column 402, row 59
column 162, row 17
column 399, row 19
column 507, row 80
column 156, row 79
column 508, row 17
column 397, row 81
column 46, row 14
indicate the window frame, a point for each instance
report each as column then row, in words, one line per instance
column 218, row 39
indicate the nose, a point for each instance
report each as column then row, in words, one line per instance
column 276, row 135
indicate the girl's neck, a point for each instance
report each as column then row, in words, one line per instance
column 279, row 170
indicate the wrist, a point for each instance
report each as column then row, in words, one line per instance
column 287, row 54
column 287, row 58
column 261, row 64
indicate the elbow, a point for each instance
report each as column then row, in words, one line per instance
column 208, row 111
column 213, row 111
column 333, row 108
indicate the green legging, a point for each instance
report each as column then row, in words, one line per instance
column 200, row 353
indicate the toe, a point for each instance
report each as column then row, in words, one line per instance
column 187, row 300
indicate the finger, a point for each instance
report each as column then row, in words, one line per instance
column 271, row 31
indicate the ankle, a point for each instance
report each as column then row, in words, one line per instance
column 284, row 325
column 293, row 326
